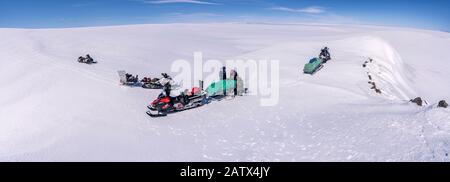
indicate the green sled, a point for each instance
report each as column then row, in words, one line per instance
column 217, row 88
column 314, row 65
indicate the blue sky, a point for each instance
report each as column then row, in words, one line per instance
column 428, row 14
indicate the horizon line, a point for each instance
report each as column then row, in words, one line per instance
column 231, row 22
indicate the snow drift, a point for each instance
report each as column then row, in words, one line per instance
column 54, row 109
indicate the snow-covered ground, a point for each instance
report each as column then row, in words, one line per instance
column 54, row 109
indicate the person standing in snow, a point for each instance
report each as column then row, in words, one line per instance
column 223, row 73
column 166, row 81
column 234, row 76
column 223, row 78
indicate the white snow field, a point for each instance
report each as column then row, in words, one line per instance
column 53, row 108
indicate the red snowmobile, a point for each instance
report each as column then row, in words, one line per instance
column 165, row 105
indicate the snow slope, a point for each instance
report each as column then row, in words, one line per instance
column 55, row 109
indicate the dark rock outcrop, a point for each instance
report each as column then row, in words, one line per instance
column 378, row 91
column 417, row 101
column 443, row 104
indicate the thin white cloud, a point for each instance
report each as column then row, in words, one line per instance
column 309, row 10
column 181, row 1
column 80, row 5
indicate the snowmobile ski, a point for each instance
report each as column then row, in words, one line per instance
column 155, row 113
column 151, row 108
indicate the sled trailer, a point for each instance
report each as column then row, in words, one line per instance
column 313, row 66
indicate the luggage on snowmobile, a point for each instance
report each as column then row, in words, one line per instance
column 152, row 86
column 151, row 83
column 165, row 105
column 313, row 66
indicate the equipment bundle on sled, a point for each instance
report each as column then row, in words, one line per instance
column 317, row 63
column 166, row 104
column 156, row 83
column 150, row 83
column 128, row 79
column 88, row 60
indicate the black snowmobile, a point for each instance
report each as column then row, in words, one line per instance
column 150, row 83
column 165, row 105
column 87, row 60
column 325, row 55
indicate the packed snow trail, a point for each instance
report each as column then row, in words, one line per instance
column 53, row 108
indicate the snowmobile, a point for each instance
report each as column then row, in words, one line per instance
column 165, row 105
column 325, row 55
column 86, row 60
column 325, row 58
column 317, row 63
column 151, row 83
column 128, row 79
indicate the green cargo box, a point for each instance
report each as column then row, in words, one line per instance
column 314, row 65
column 217, row 88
